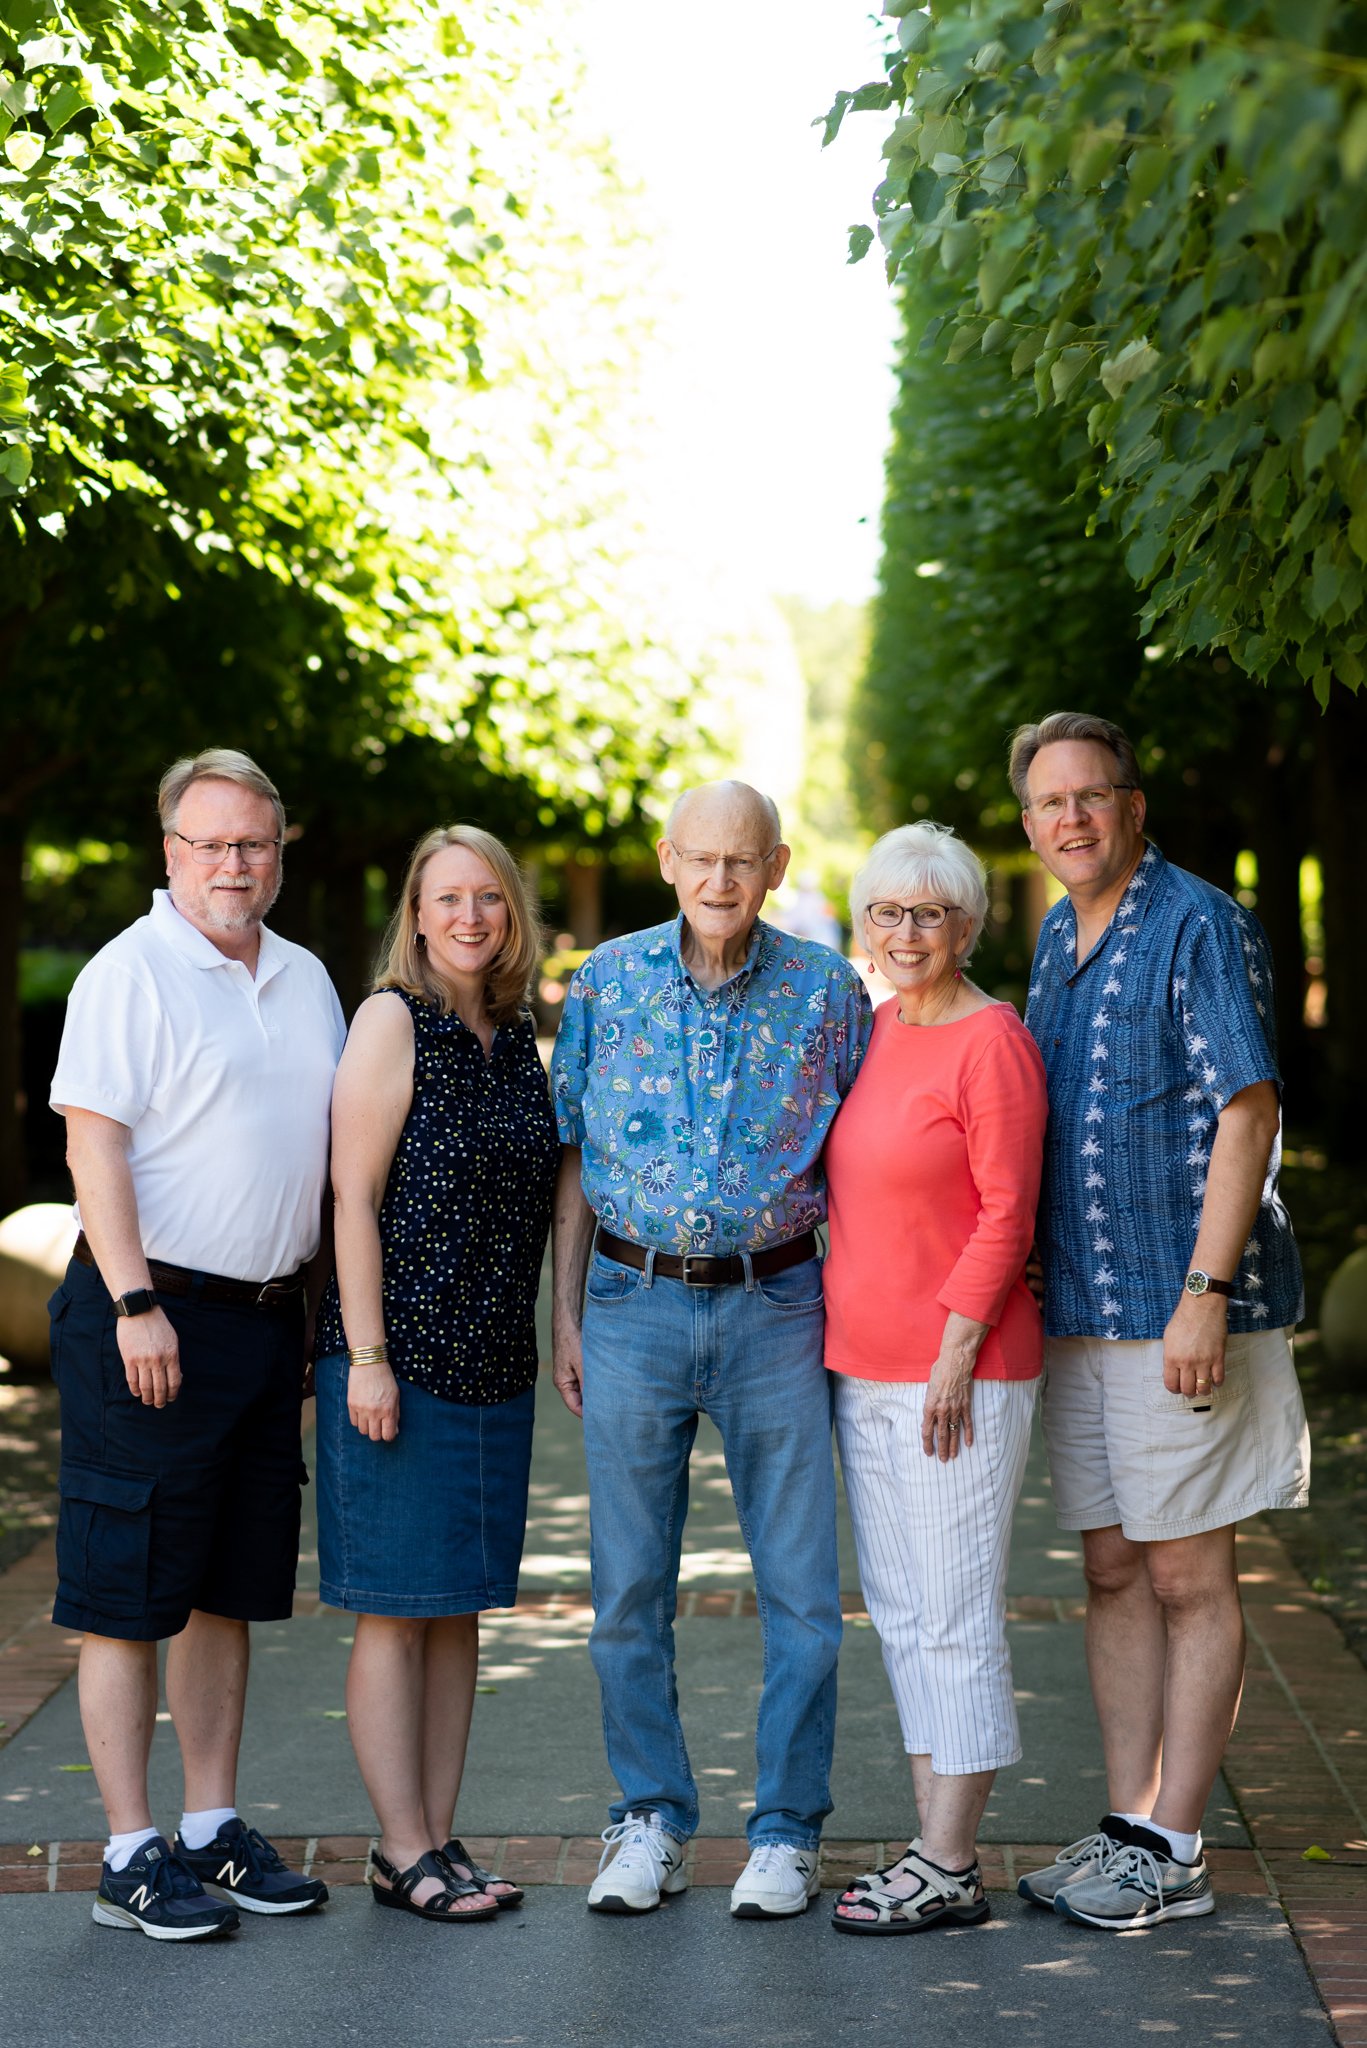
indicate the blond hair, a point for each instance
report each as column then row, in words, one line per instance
column 1027, row 741
column 404, row 963
column 215, row 764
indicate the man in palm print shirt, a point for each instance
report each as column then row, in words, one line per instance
column 1171, row 1408
column 698, row 1068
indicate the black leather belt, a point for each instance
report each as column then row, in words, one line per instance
column 212, row 1287
column 696, row 1269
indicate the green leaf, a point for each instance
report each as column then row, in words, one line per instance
column 1026, row 353
column 23, row 148
column 13, row 395
column 1353, row 144
column 995, row 272
column 1068, row 367
column 1135, row 360
column 16, row 462
column 1323, row 434
column 1314, row 1854
column 861, row 240
column 60, row 106
column 75, row 1767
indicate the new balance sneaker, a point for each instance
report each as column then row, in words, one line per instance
column 1139, row 1883
column 158, row 1895
column 1080, row 1859
column 648, row 1867
column 777, row 1880
column 241, row 1865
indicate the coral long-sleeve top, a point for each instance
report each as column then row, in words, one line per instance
column 933, row 1169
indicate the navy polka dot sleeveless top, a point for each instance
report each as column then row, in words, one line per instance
column 465, row 1215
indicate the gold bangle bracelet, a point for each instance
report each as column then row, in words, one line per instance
column 369, row 1354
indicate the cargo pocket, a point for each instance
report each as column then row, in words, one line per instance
column 104, row 1534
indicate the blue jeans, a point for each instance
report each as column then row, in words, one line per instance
column 656, row 1354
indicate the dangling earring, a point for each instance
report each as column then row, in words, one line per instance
column 870, row 970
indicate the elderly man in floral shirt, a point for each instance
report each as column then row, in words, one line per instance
column 697, row 1071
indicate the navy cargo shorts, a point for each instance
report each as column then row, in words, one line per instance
column 195, row 1505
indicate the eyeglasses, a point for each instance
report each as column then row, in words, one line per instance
column 741, row 865
column 1099, row 796
column 928, row 916
column 257, row 853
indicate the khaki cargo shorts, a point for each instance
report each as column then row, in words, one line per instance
column 1122, row 1449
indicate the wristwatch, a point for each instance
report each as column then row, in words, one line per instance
column 1198, row 1282
column 136, row 1302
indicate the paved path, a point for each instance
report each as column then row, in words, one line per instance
column 537, row 1785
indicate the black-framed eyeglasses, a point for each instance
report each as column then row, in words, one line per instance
column 1098, row 796
column 256, row 853
column 928, row 916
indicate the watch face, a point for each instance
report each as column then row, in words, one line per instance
column 1197, row 1283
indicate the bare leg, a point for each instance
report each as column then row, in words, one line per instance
column 206, row 1691
column 386, row 1686
column 1127, row 1648
column 118, row 1693
column 949, row 1819
column 448, row 1699
column 1196, row 1584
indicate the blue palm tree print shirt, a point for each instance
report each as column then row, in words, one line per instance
column 702, row 1112
column 1144, row 1043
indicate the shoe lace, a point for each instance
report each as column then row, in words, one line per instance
column 169, row 1878
column 633, row 1832
column 263, row 1856
column 1132, row 1862
column 1087, row 1846
column 771, row 1856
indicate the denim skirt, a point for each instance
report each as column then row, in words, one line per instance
column 432, row 1523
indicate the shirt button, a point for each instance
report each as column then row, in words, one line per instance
column 1058, row 1041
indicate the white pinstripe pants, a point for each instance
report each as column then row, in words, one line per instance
column 933, row 1541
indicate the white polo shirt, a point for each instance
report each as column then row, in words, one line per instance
column 225, row 1082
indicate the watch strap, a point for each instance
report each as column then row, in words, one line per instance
column 137, row 1302
column 1209, row 1284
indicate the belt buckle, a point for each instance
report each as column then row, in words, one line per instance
column 271, row 1295
column 690, row 1259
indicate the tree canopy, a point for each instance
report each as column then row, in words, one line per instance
column 1157, row 210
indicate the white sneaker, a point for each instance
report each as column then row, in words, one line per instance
column 648, row 1866
column 777, row 1880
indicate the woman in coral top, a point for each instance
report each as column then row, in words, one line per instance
column 934, row 1343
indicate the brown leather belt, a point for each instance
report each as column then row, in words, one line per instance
column 212, row 1287
column 696, row 1269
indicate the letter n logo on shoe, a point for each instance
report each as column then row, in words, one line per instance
column 231, row 1876
column 141, row 1899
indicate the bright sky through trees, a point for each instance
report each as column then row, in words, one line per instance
column 771, row 386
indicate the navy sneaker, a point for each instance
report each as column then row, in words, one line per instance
column 240, row 1865
column 155, row 1893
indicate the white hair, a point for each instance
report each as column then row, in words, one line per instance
column 922, row 861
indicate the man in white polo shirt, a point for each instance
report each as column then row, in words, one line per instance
column 195, row 1077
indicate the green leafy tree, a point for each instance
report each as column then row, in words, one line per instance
column 1157, row 210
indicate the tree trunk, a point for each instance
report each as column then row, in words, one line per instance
column 13, row 1173
column 584, row 899
column 1340, row 777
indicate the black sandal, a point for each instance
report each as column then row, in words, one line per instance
column 456, row 1852
column 400, row 1886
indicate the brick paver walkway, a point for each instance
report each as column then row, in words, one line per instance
column 1297, row 1767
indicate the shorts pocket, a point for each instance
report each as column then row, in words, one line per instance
column 1158, row 1401
column 104, row 1535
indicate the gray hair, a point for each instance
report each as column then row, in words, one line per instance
column 215, row 764
column 738, row 792
column 922, row 860
column 1027, row 740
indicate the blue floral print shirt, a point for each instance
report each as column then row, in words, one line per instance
column 702, row 1112
column 1144, row 1042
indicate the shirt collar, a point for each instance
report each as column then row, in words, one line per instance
column 177, row 931
column 1129, row 912
column 742, row 974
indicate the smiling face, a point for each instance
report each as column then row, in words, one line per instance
column 919, row 961
column 1092, row 852
column 462, row 914
column 719, row 905
column 229, row 899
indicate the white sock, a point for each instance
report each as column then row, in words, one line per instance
column 197, row 1830
column 1136, row 1820
column 1184, row 1848
column 122, row 1848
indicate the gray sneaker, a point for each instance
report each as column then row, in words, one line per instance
column 1139, row 1884
column 1080, row 1859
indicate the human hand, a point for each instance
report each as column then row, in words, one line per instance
column 150, row 1351
column 567, row 1365
column 1034, row 1276
column 1194, row 1345
column 372, row 1402
column 947, row 1417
